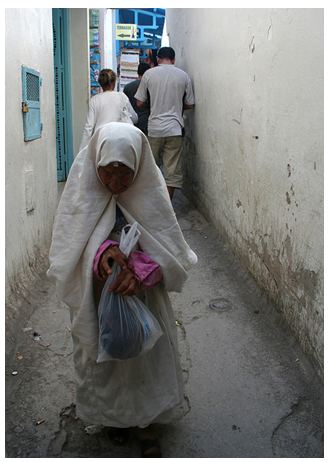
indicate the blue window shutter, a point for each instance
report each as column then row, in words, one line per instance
column 31, row 83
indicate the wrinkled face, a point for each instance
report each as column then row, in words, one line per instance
column 116, row 179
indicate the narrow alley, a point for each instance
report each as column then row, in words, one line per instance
column 249, row 391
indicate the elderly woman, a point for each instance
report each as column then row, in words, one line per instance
column 107, row 106
column 115, row 181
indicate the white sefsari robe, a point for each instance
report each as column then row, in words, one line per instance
column 142, row 390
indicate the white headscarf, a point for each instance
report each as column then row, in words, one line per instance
column 86, row 215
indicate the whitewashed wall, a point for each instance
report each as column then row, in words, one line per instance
column 253, row 155
column 31, row 176
column 80, row 72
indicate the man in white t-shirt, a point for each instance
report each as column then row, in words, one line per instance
column 170, row 93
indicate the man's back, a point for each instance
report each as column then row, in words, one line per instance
column 169, row 88
column 169, row 91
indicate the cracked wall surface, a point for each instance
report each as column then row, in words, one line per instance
column 253, row 151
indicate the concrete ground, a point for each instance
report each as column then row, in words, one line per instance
column 249, row 391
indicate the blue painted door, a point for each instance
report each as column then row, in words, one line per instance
column 62, row 92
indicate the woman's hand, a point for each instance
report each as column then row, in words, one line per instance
column 115, row 254
column 125, row 283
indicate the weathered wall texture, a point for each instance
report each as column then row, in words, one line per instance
column 253, row 156
column 31, row 177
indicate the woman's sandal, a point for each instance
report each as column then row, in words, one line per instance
column 119, row 436
column 151, row 448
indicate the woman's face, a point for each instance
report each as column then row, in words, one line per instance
column 116, row 179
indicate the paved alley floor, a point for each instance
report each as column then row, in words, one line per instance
column 249, row 391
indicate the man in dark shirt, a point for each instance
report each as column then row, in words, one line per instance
column 130, row 90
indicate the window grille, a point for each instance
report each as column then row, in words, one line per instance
column 32, row 87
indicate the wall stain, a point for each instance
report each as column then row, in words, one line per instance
column 300, row 283
column 288, row 198
column 252, row 45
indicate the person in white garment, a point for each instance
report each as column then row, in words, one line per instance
column 113, row 181
column 106, row 106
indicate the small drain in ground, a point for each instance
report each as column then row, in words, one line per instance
column 220, row 304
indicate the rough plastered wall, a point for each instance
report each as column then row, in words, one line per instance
column 253, row 157
column 31, row 175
